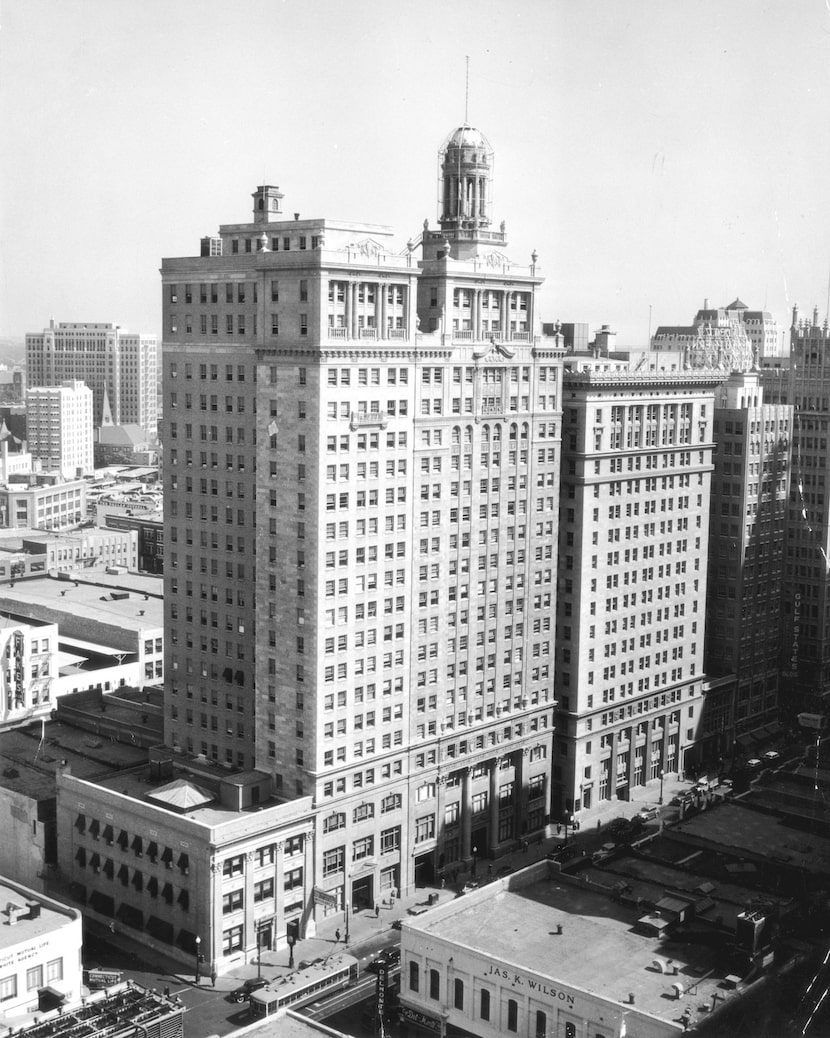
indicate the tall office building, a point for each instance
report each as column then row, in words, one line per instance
column 119, row 367
column 806, row 654
column 750, row 489
column 634, row 515
column 59, row 428
column 361, row 490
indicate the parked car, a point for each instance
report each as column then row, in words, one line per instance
column 753, row 763
column 605, row 852
column 246, row 989
column 646, row 814
column 772, row 756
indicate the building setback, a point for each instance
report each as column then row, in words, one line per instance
column 119, row 367
column 634, row 513
column 361, row 483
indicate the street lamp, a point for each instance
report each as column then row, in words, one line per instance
column 569, row 820
column 292, row 940
column 347, row 893
column 475, row 852
column 258, row 953
column 661, row 787
column 198, row 957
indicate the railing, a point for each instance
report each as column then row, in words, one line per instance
column 364, row 419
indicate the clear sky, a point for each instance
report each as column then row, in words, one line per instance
column 654, row 152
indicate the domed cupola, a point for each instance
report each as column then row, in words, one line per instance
column 466, row 161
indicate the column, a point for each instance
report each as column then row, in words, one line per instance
column 440, row 810
column 213, row 940
column 475, row 198
column 279, row 893
column 307, row 921
column 520, row 789
column 380, row 310
column 477, row 314
column 493, row 836
column 632, row 753
column 249, row 935
column 349, row 307
column 466, row 816
column 613, row 775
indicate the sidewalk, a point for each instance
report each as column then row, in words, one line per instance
column 365, row 928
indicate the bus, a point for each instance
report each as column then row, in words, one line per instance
column 332, row 973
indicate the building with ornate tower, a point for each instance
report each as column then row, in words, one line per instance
column 361, row 491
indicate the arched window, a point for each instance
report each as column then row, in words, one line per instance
column 458, row 996
column 484, row 1009
column 456, row 434
column 497, row 434
column 434, row 985
column 512, row 1014
column 413, row 976
column 468, row 434
column 570, row 1030
column 541, row 1024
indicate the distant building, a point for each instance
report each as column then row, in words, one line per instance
column 59, row 428
column 123, row 445
column 40, row 953
column 12, row 385
column 119, row 367
column 121, row 629
column 28, row 668
column 732, row 337
column 150, row 532
column 180, row 848
column 42, row 503
column 750, row 490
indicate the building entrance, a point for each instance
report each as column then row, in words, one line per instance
column 362, row 896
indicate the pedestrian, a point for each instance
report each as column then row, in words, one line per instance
column 213, row 976
column 377, row 911
column 525, row 846
column 337, row 935
column 490, row 869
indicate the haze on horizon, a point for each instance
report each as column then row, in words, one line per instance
column 653, row 152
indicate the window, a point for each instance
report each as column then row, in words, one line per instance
column 434, row 984
column 458, row 994
column 333, row 860
column 34, row 978
column 541, row 1024
column 264, row 890
column 232, row 940
column 413, row 976
column 233, row 866
column 484, row 1006
column 8, row 987
column 233, row 901
column 512, row 1014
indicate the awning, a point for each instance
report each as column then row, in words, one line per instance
column 80, row 856
column 138, row 846
column 184, row 899
column 153, row 886
column 108, row 834
column 167, row 893
column 123, row 839
column 160, row 929
column 109, row 868
column 152, row 850
column 167, row 856
column 184, row 863
column 80, row 823
column 102, row 903
column 94, row 828
column 95, row 861
column 187, row 941
column 138, row 880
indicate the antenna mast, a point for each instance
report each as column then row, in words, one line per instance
column 467, row 89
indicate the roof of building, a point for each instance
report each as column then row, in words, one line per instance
column 736, row 304
column 32, row 756
column 467, row 137
column 129, row 435
column 742, row 832
column 27, row 915
column 542, row 923
column 182, row 795
column 65, row 601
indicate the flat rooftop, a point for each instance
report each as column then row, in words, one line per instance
column 739, row 831
column 29, row 926
column 516, row 922
column 66, row 602
column 30, row 762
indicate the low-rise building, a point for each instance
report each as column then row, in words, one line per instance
column 40, row 953
column 189, row 859
column 542, row 953
column 28, row 668
column 42, row 503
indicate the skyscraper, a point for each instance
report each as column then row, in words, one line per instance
column 59, row 428
column 361, row 493
column 750, row 489
column 806, row 603
column 637, row 460
column 119, row 367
